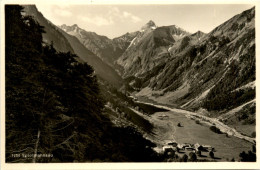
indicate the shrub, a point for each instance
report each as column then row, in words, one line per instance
column 193, row 157
column 253, row 135
column 199, row 153
column 215, row 129
column 211, row 154
column 247, row 157
column 254, row 148
column 184, row 158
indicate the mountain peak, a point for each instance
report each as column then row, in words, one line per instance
column 198, row 34
column 149, row 24
column 67, row 28
column 63, row 25
column 74, row 25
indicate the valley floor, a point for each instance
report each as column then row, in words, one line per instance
column 166, row 128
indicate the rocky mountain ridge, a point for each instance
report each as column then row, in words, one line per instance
column 171, row 66
column 196, row 70
column 63, row 41
column 211, row 74
column 106, row 49
column 52, row 36
column 149, row 48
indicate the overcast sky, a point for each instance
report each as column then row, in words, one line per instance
column 115, row 20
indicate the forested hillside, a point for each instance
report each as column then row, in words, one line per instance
column 53, row 104
column 214, row 71
column 70, row 43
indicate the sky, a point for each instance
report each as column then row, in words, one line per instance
column 116, row 20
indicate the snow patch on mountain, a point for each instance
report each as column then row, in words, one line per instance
column 132, row 43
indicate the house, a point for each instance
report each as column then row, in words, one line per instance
column 163, row 116
column 169, row 148
column 181, row 146
column 207, row 147
column 187, row 145
column 198, row 147
column 189, row 149
column 171, row 142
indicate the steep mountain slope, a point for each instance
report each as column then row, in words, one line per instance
column 186, row 42
column 198, row 70
column 65, row 42
column 107, row 49
column 52, row 35
column 54, row 109
column 105, row 71
column 149, row 48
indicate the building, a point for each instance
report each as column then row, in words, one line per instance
column 169, row 148
column 198, row 147
column 163, row 116
column 181, row 146
column 171, row 142
column 189, row 149
column 207, row 147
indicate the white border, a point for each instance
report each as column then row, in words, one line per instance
column 67, row 166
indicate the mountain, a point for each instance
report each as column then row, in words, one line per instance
column 66, row 42
column 54, row 105
column 106, row 49
column 185, row 42
column 52, row 34
column 149, row 49
column 212, row 72
column 60, row 107
column 148, row 25
column 198, row 34
column 102, row 69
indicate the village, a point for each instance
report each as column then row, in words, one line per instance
column 171, row 147
column 167, row 144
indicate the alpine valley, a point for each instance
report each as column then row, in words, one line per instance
column 157, row 94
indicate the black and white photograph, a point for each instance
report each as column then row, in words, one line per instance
column 129, row 83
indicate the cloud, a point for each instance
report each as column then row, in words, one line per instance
column 62, row 12
column 124, row 15
column 114, row 11
column 132, row 17
column 97, row 20
column 112, row 16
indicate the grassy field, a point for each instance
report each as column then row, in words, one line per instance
column 191, row 132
